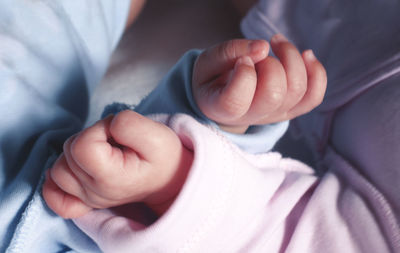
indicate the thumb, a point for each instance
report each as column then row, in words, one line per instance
column 233, row 99
column 141, row 134
column 222, row 57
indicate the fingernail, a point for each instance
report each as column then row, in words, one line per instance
column 309, row 55
column 246, row 60
column 257, row 46
column 278, row 38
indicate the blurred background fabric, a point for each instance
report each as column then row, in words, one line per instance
column 154, row 43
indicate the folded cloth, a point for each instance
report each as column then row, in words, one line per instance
column 52, row 55
column 233, row 201
column 359, row 44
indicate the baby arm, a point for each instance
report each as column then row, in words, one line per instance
column 121, row 159
column 237, row 88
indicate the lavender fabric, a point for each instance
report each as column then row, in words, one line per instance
column 359, row 44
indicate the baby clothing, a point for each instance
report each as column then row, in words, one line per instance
column 174, row 95
column 358, row 43
column 358, row 121
column 237, row 202
column 233, row 201
column 52, row 55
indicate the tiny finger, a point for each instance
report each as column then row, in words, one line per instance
column 222, row 57
column 295, row 69
column 271, row 89
column 93, row 152
column 62, row 203
column 80, row 174
column 234, row 99
column 66, row 180
column 317, row 83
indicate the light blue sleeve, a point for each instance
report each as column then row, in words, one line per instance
column 174, row 95
column 52, row 55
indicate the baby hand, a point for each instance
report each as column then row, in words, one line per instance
column 121, row 159
column 237, row 84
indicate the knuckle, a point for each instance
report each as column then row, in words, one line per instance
column 121, row 119
column 233, row 106
column 59, row 167
column 105, row 183
column 276, row 93
column 121, row 122
column 79, row 150
column 78, row 144
column 275, row 97
column 228, row 50
column 94, row 200
column 298, row 86
column 289, row 49
column 57, row 173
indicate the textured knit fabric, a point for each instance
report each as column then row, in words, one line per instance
column 237, row 202
column 52, row 55
column 240, row 202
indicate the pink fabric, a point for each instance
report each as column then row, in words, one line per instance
column 236, row 202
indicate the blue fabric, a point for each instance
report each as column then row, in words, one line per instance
column 174, row 95
column 52, row 54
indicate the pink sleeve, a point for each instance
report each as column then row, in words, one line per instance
column 236, row 202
